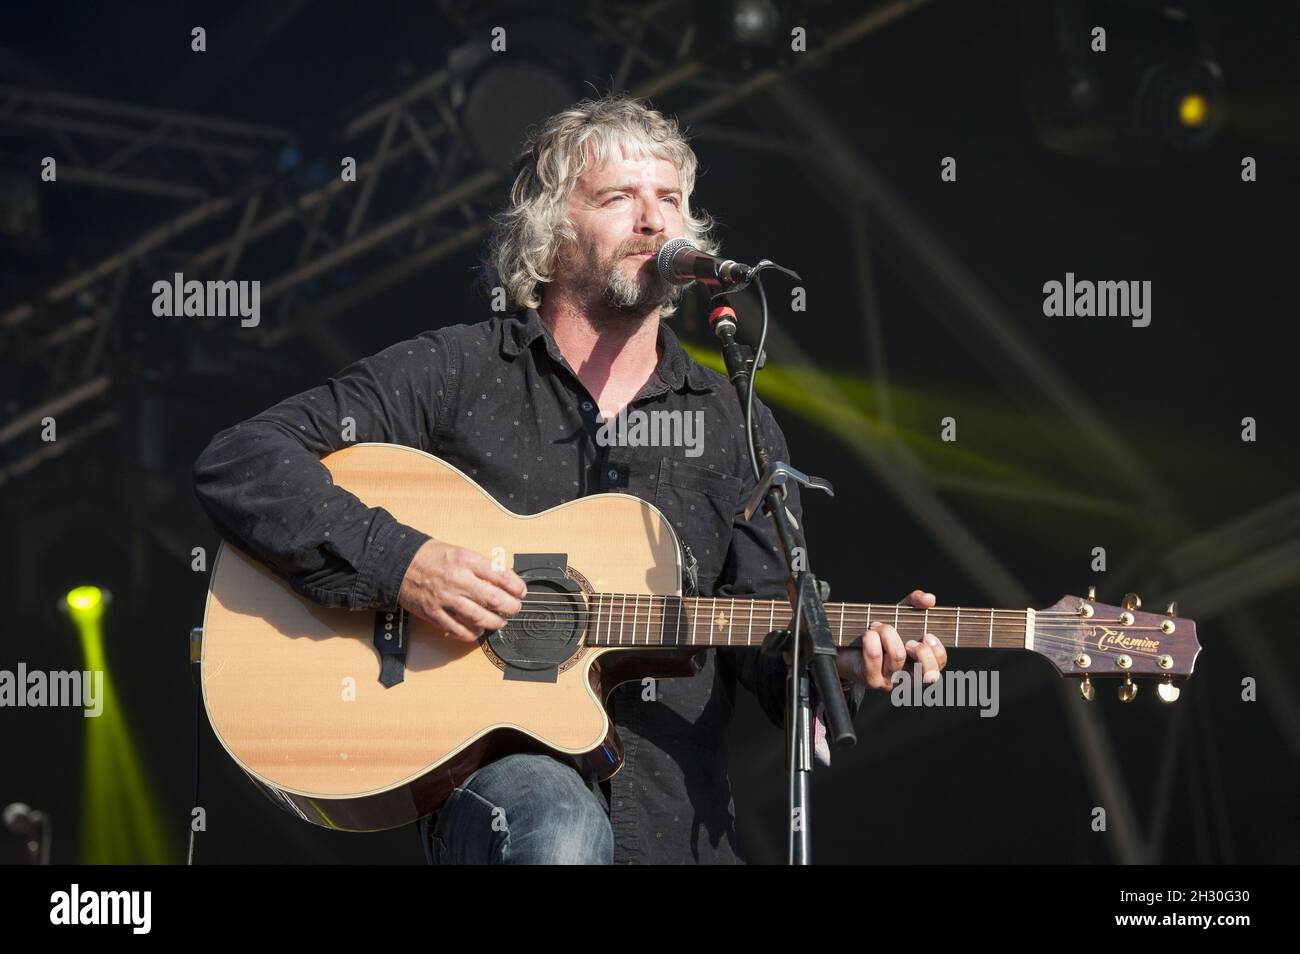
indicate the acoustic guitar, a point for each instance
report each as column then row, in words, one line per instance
column 368, row 720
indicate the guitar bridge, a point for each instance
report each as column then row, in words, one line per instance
column 390, row 643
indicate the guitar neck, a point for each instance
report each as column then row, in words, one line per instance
column 629, row 619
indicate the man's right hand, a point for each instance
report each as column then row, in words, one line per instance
column 459, row 592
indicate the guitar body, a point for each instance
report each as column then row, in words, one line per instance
column 292, row 689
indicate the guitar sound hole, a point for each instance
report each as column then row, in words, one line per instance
column 546, row 632
column 544, row 621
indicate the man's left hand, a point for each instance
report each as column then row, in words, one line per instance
column 882, row 652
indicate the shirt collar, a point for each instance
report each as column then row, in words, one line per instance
column 675, row 367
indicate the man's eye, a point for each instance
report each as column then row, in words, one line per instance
column 614, row 198
column 673, row 199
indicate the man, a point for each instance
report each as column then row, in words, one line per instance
column 517, row 403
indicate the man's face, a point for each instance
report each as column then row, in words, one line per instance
column 622, row 212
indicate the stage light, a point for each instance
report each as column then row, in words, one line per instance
column 121, row 823
column 1160, row 93
column 737, row 37
column 85, row 606
column 86, row 602
column 500, row 99
column 755, row 22
column 1193, row 110
column 506, row 100
column 1180, row 101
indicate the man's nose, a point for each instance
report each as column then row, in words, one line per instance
column 651, row 219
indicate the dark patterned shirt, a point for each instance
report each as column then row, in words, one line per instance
column 498, row 400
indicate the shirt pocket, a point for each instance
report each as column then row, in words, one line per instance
column 700, row 504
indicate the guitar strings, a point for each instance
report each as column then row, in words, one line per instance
column 978, row 616
column 857, row 614
column 609, row 598
column 656, row 618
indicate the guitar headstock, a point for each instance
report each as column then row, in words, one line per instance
column 1087, row 639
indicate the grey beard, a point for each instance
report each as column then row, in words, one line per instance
column 626, row 293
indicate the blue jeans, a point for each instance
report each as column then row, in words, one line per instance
column 524, row 809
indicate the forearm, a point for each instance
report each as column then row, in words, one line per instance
column 269, row 495
column 264, row 487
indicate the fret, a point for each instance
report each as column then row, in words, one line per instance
column 910, row 622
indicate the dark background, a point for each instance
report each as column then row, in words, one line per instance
column 960, row 79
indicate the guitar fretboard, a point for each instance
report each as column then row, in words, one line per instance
column 628, row 619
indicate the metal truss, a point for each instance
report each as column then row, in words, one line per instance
column 170, row 154
column 305, row 230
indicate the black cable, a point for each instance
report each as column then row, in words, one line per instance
column 794, row 712
column 755, row 277
column 198, row 738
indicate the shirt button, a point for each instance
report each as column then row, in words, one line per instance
column 586, row 405
column 613, row 474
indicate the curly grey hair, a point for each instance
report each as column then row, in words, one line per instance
column 529, row 234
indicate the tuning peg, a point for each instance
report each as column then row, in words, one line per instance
column 1167, row 691
column 1086, row 690
column 1171, row 609
column 1092, row 594
column 1131, row 601
column 1128, row 690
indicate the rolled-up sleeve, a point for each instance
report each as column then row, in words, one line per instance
column 756, row 567
column 264, row 487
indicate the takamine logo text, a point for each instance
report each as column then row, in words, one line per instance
column 1115, row 639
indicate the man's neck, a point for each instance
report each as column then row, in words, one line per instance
column 614, row 354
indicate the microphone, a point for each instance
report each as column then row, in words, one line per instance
column 680, row 263
column 33, row 827
column 20, row 819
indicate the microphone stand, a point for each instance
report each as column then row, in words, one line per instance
column 38, row 843
column 808, row 647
